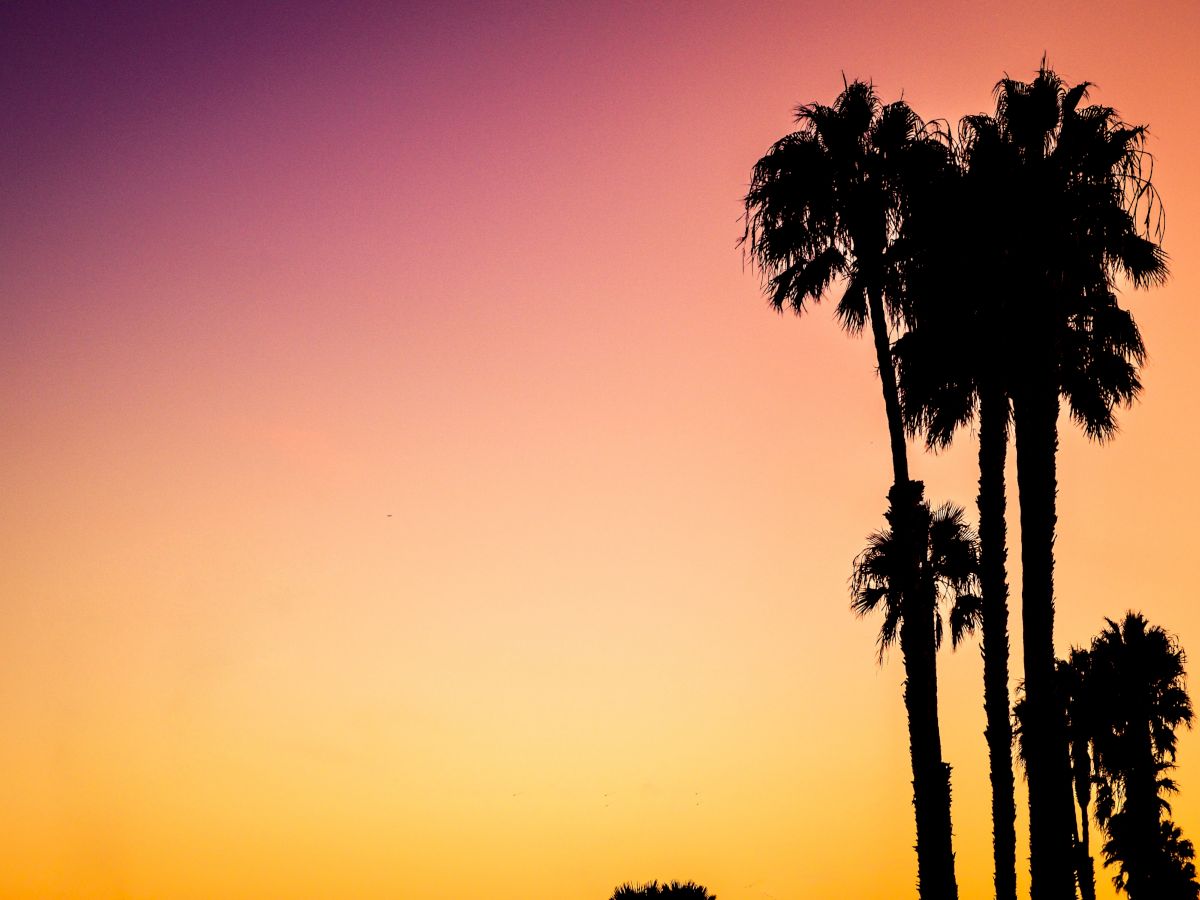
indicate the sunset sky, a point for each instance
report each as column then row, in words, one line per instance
column 408, row 491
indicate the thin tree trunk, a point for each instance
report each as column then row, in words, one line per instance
column 891, row 393
column 1087, row 867
column 931, row 775
column 993, row 446
column 1051, row 815
column 1141, row 800
column 1081, row 766
column 1074, row 676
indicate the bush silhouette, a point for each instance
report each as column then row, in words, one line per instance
column 673, row 891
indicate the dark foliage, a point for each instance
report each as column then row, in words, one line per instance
column 1123, row 700
column 1067, row 212
column 674, row 891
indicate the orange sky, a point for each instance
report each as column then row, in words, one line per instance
column 409, row 493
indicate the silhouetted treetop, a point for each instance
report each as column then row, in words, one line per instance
column 676, row 890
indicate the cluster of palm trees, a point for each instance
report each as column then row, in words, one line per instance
column 985, row 264
column 1122, row 700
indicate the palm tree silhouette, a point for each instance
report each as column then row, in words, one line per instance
column 1138, row 671
column 950, row 372
column 826, row 203
column 1123, row 700
column 946, row 571
column 1062, row 185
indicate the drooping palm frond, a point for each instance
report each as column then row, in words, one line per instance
column 1101, row 352
column 965, row 617
column 953, row 550
column 874, row 586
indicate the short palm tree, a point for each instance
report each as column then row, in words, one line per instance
column 1061, row 185
column 828, row 203
column 946, row 573
column 1138, row 670
column 1123, row 701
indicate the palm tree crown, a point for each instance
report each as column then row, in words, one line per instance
column 829, row 203
column 1138, row 670
column 1069, row 211
column 948, row 570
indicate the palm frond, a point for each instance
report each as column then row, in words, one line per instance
column 965, row 617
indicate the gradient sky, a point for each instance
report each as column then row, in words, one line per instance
column 408, row 491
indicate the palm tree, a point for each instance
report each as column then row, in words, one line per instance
column 951, row 372
column 947, row 570
column 1062, row 185
column 828, row 203
column 1138, row 670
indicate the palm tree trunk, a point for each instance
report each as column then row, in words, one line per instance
column 993, row 447
column 931, row 775
column 1081, row 770
column 891, row 393
column 1051, row 814
column 1087, row 867
column 1141, row 800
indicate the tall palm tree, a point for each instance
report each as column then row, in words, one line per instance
column 947, row 570
column 1138, row 670
column 828, row 203
column 1062, row 185
column 951, row 372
